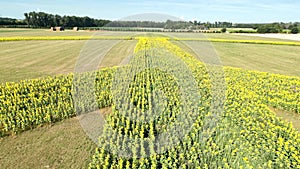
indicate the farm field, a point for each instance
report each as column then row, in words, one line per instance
column 43, row 58
column 248, row 127
column 295, row 37
column 265, row 58
column 27, row 60
column 43, row 32
column 225, row 36
column 62, row 145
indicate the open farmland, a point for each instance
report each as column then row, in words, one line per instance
column 279, row 59
column 32, row 59
column 295, row 37
column 43, row 32
column 248, row 133
column 22, row 60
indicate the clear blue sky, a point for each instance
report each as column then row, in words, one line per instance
column 245, row 11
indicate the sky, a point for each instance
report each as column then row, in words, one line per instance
column 236, row 11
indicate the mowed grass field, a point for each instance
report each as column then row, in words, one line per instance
column 62, row 145
column 43, row 32
column 32, row 59
column 21, row 60
column 278, row 59
column 65, row 145
column 222, row 36
column 266, row 58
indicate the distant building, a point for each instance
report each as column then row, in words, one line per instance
column 57, row 28
column 75, row 28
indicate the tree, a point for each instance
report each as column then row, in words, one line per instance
column 195, row 22
column 26, row 18
column 56, row 20
column 43, row 20
column 223, row 30
column 295, row 30
column 291, row 27
column 10, row 21
column 269, row 28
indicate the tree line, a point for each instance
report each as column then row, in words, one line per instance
column 42, row 19
column 278, row 27
column 45, row 20
column 10, row 21
column 169, row 24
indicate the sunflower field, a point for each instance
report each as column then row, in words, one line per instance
column 170, row 111
column 247, row 133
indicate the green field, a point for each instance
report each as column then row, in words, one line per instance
column 32, row 59
column 265, row 58
column 23, row 60
column 26, row 60
column 221, row 36
column 61, row 145
column 64, row 144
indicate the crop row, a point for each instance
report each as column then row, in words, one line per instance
column 244, row 134
column 30, row 103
